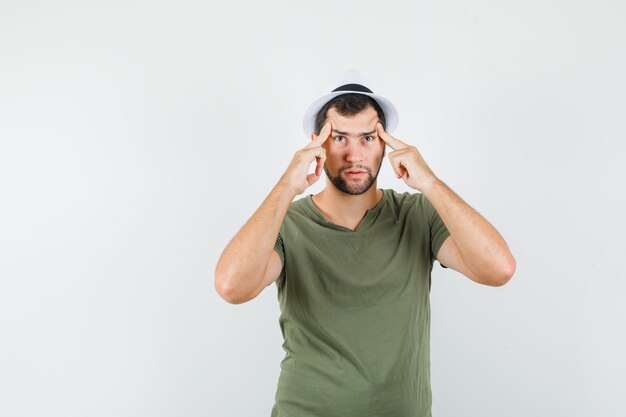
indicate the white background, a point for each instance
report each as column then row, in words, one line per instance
column 136, row 138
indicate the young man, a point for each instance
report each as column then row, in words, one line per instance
column 353, row 264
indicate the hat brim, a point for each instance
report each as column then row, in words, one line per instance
column 391, row 114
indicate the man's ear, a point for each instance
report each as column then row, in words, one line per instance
column 313, row 136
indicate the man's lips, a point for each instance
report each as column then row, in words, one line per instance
column 355, row 173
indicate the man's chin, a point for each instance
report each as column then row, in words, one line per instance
column 353, row 187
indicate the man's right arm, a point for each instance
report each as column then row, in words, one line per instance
column 245, row 264
column 249, row 262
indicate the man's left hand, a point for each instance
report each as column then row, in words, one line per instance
column 407, row 162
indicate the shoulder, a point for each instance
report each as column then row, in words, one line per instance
column 299, row 215
column 406, row 201
column 408, row 208
column 298, row 207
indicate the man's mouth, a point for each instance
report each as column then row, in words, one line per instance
column 355, row 173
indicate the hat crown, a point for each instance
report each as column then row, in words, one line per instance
column 350, row 77
column 350, row 81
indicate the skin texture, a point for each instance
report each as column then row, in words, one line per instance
column 353, row 151
column 353, row 145
column 249, row 262
column 474, row 247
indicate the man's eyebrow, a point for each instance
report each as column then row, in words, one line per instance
column 348, row 133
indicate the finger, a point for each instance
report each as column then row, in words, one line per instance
column 318, row 167
column 324, row 134
column 398, row 169
column 401, row 171
column 393, row 143
column 393, row 167
column 309, row 154
column 320, row 159
column 311, row 178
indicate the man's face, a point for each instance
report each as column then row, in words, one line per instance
column 354, row 152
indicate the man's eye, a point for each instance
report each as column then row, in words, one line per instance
column 369, row 138
column 339, row 138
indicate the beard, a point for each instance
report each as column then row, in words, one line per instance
column 350, row 187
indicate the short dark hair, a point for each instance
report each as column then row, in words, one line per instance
column 348, row 105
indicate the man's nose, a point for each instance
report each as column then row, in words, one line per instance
column 354, row 151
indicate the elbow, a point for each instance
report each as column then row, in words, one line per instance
column 497, row 282
column 504, row 276
column 221, row 284
column 225, row 289
column 222, row 290
column 510, row 270
column 227, row 293
column 230, row 298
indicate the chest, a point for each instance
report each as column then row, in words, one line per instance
column 355, row 268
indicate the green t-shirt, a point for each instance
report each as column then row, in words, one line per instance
column 355, row 311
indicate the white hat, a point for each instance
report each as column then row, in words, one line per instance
column 352, row 81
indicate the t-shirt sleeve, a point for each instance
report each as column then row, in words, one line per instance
column 280, row 248
column 438, row 230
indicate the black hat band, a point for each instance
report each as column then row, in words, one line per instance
column 353, row 87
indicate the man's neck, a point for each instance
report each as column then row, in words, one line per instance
column 346, row 209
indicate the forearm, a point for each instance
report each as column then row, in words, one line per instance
column 242, row 267
column 243, row 262
column 482, row 248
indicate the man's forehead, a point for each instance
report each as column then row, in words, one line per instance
column 361, row 123
column 368, row 112
column 354, row 133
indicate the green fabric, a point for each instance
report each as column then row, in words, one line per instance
column 355, row 310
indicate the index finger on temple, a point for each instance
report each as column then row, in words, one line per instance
column 324, row 133
column 388, row 139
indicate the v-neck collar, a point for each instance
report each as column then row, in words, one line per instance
column 367, row 220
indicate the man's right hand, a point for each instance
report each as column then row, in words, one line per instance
column 296, row 177
column 249, row 262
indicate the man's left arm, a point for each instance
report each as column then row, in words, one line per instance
column 474, row 247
